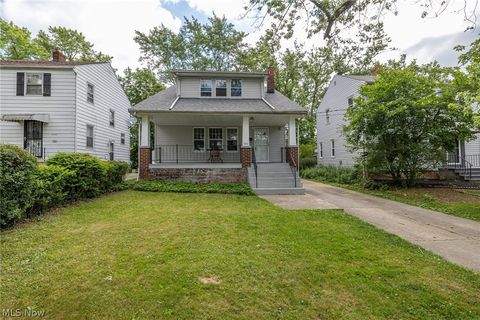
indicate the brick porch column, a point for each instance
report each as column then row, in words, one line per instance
column 246, row 156
column 293, row 155
column 144, row 145
column 144, row 162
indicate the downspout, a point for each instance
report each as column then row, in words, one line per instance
column 75, row 114
column 268, row 103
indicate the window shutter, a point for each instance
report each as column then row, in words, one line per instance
column 20, row 83
column 47, row 84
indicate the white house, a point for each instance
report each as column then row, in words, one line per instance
column 221, row 126
column 57, row 106
column 331, row 145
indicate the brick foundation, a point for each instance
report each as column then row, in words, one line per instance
column 292, row 156
column 144, row 162
column 246, row 156
column 199, row 175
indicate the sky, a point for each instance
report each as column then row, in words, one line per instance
column 111, row 25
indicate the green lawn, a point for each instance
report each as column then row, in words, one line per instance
column 142, row 255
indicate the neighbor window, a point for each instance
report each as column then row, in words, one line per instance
column 232, row 139
column 90, row 90
column 206, row 88
column 332, row 147
column 122, row 138
column 215, row 138
column 199, row 139
column 34, row 84
column 236, row 88
column 327, row 116
column 350, row 101
column 89, row 136
column 111, row 148
column 320, row 151
column 112, row 118
column 221, row 88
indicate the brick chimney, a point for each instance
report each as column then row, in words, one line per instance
column 271, row 80
column 57, row 56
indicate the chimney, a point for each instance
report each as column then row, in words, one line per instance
column 57, row 56
column 375, row 70
column 271, row 80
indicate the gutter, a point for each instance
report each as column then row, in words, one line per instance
column 268, row 103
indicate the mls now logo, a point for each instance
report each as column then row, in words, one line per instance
column 27, row 312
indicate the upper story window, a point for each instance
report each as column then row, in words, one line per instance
column 236, row 88
column 112, row 118
column 350, row 101
column 34, row 84
column 90, row 92
column 327, row 116
column 221, row 88
column 205, row 88
column 122, row 138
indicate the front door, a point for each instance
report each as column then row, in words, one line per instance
column 33, row 137
column 261, row 144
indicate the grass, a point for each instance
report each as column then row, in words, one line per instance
column 189, row 187
column 146, row 255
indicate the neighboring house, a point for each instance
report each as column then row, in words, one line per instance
column 221, row 126
column 331, row 146
column 57, row 106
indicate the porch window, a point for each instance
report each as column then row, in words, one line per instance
column 199, row 139
column 34, row 84
column 89, row 136
column 320, row 151
column 232, row 139
column 221, row 88
column 236, row 88
column 215, row 138
column 205, row 88
column 332, row 148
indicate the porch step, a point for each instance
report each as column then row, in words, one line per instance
column 281, row 191
column 274, row 178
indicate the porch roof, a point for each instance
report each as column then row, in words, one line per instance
column 164, row 100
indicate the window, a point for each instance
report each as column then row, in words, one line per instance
column 34, row 84
column 199, row 139
column 350, row 101
column 320, row 147
column 205, row 88
column 215, row 138
column 122, row 138
column 112, row 118
column 89, row 136
column 236, row 88
column 111, row 151
column 332, row 146
column 221, row 88
column 90, row 90
column 327, row 116
column 232, row 139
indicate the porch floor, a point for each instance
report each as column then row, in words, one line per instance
column 200, row 165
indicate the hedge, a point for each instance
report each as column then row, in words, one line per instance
column 27, row 188
column 188, row 187
column 345, row 175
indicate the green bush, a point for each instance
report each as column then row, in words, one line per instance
column 309, row 162
column 51, row 187
column 188, row 187
column 307, row 150
column 345, row 175
column 17, row 181
column 114, row 171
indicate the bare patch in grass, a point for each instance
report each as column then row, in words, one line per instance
column 210, row 280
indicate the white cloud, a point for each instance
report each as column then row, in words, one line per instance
column 109, row 25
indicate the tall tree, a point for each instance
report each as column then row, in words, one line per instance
column 214, row 45
column 16, row 43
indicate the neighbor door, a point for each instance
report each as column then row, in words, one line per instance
column 261, row 144
column 33, row 137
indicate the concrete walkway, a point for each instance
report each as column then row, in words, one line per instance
column 455, row 239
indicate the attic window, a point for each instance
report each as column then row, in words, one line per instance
column 236, row 88
column 205, row 88
column 221, row 88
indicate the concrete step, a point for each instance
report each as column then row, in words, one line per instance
column 281, row 191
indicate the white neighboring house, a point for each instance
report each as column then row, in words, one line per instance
column 330, row 121
column 57, row 106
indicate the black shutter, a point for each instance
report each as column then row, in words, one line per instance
column 20, row 83
column 47, row 84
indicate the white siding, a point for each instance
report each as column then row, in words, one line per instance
column 190, row 87
column 58, row 133
column 336, row 100
column 108, row 95
column 472, row 147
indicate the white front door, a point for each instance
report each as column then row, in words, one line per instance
column 261, row 144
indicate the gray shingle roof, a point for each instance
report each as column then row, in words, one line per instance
column 368, row 79
column 39, row 63
column 162, row 101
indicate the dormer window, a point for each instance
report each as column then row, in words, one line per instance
column 221, row 88
column 205, row 88
column 236, row 88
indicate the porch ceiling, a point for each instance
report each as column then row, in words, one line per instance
column 220, row 119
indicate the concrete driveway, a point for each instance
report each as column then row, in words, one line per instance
column 455, row 239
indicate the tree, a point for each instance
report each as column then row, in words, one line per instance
column 138, row 85
column 72, row 43
column 16, row 43
column 211, row 46
column 407, row 120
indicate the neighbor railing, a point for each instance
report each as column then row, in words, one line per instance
column 254, row 162
column 461, row 164
column 285, row 154
column 186, row 153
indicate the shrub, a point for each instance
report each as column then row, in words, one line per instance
column 17, row 180
column 188, row 187
column 307, row 150
column 307, row 163
column 114, row 171
column 345, row 175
